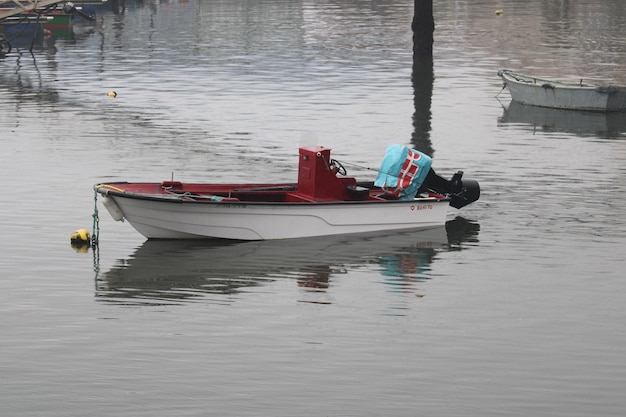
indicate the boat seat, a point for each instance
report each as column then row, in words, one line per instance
column 387, row 196
column 356, row 192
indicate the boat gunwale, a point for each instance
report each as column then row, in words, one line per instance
column 182, row 199
column 529, row 80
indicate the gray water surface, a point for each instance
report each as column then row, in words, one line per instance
column 515, row 308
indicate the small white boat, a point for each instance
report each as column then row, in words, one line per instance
column 534, row 91
column 407, row 194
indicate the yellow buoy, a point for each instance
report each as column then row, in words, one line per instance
column 499, row 12
column 112, row 94
column 80, row 236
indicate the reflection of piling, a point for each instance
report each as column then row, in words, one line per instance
column 118, row 6
column 423, row 28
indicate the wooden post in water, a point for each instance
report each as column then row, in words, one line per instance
column 422, row 79
column 423, row 76
column 423, row 28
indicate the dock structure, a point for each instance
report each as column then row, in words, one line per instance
column 10, row 8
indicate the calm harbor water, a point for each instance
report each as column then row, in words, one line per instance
column 515, row 308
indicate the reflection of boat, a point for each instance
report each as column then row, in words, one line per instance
column 604, row 125
column 562, row 95
column 407, row 195
column 168, row 271
column 461, row 231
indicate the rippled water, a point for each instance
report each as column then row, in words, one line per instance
column 514, row 308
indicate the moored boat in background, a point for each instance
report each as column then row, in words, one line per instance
column 43, row 18
column 535, row 91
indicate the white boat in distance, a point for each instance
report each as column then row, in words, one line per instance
column 534, row 91
column 323, row 202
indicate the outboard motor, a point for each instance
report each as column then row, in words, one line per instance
column 70, row 8
column 462, row 192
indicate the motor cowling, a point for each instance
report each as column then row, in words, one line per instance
column 468, row 192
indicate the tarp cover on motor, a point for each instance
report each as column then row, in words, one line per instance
column 402, row 171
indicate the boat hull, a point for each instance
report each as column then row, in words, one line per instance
column 175, row 219
column 559, row 95
column 323, row 202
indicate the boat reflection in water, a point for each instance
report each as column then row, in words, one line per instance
column 609, row 125
column 175, row 272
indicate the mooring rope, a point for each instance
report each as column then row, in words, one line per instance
column 499, row 92
column 364, row 167
column 96, row 219
column 95, row 232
